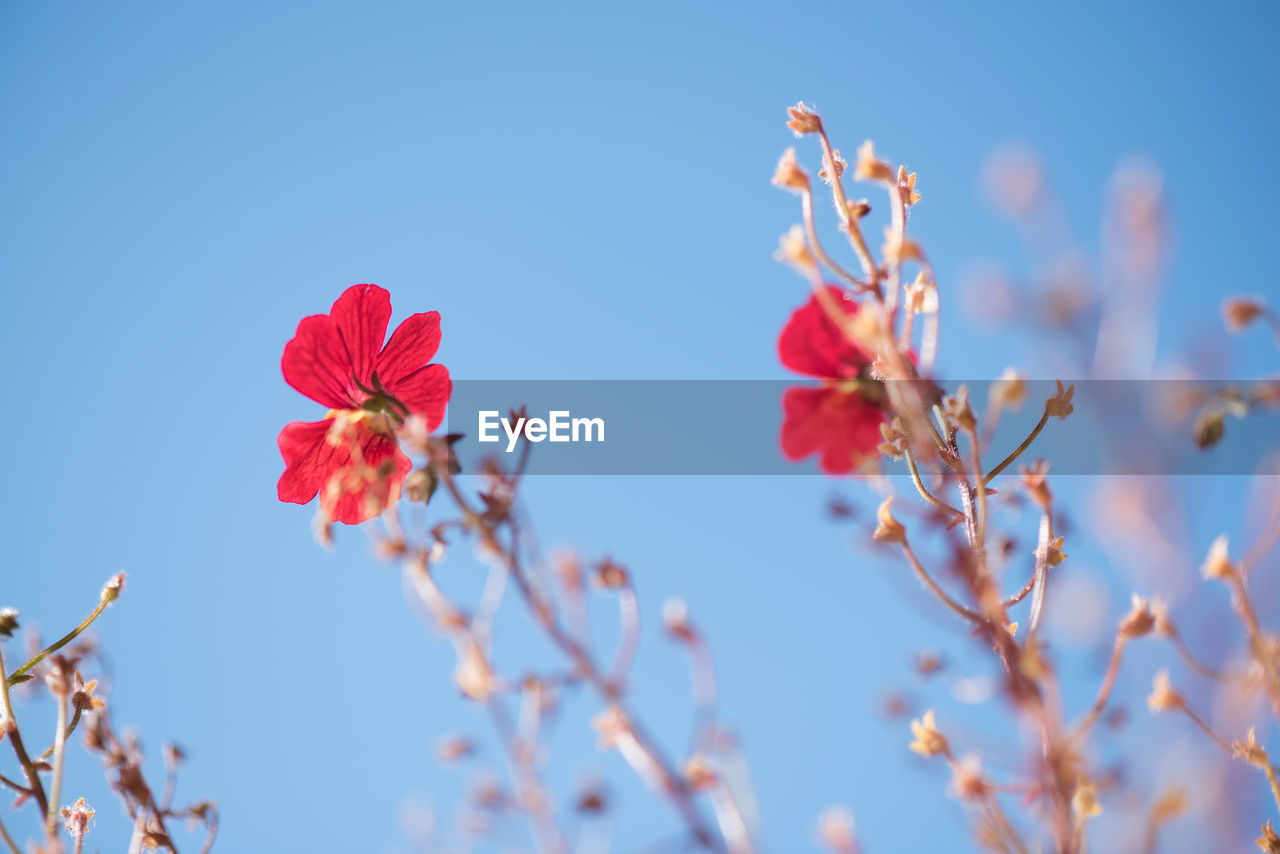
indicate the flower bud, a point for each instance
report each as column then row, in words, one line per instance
column 1239, row 312
column 789, row 175
column 111, row 591
column 1250, row 751
column 888, row 529
column 1163, row 698
column 1217, row 565
column 8, row 622
column 698, row 774
column 1269, row 842
column 1060, row 404
column 1139, row 621
column 794, row 250
column 803, row 119
column 1209, row 428
column 77, row 818
column 675, row 616
column 836, row 831
column 421, row 484
column 907, row 186
column 835, row 161
column 927, row 740
column 870, row 167
column 1009, row 391
column 610, row 575
column 1084, row 803
column 967, row 782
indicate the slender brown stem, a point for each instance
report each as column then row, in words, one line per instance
column 1198, row 666
column 8, row 840
column 213, row 833
column 1206, row 729
column 846, row 219
column 544, row 613
column 1257, row 640
column 71, row 727
column 1002, row 824
column 60, row 642
column 19, row 749
column 924, row 492
column 1026, row 443
column 15, row 785
column 1266, row 540
column 924, row 576
column 1270, row 771
column 1104, row 692
column 806, row 206
column 532, row 793
column 1022, row 594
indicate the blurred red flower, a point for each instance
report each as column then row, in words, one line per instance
column 836, row 419
column 352, row 458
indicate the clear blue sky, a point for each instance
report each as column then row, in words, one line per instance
column 582, row 192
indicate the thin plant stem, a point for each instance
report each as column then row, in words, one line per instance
column 8, row 840
column 1266, row 540
column 1001, row 821
column 1022, row 594
column 1026, row 443
column 629, row 616
column 729, row 817
column 981, row 525
column 1042, row 571
column 71, row 728
column 533, row 798
column 924, row 492
column 213, row 833
column 15, row 785
column 898, row 217
column 924, row 576
column 1257, row 640
column 60, row 642
column 1205, row 728
column 806, row 206
column 59, row 755
column 1198, row 666
column 544, row 613
column 1270, row 771
column 1108, row 683
column 846, row 218
column 15, row 737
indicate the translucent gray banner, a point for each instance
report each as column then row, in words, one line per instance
column 716, row 427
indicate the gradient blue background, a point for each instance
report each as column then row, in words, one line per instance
column 582, row 192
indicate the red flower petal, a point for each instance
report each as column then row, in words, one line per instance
column 361, row 315
column 812, row 344
column 315, row 363
column 411, row 346
column 357, row 493
column 425, row 391
column 349, row 492
column 309, row 459
column 841, row 426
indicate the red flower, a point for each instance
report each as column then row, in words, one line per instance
column 838, row 419
column 352, row 458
